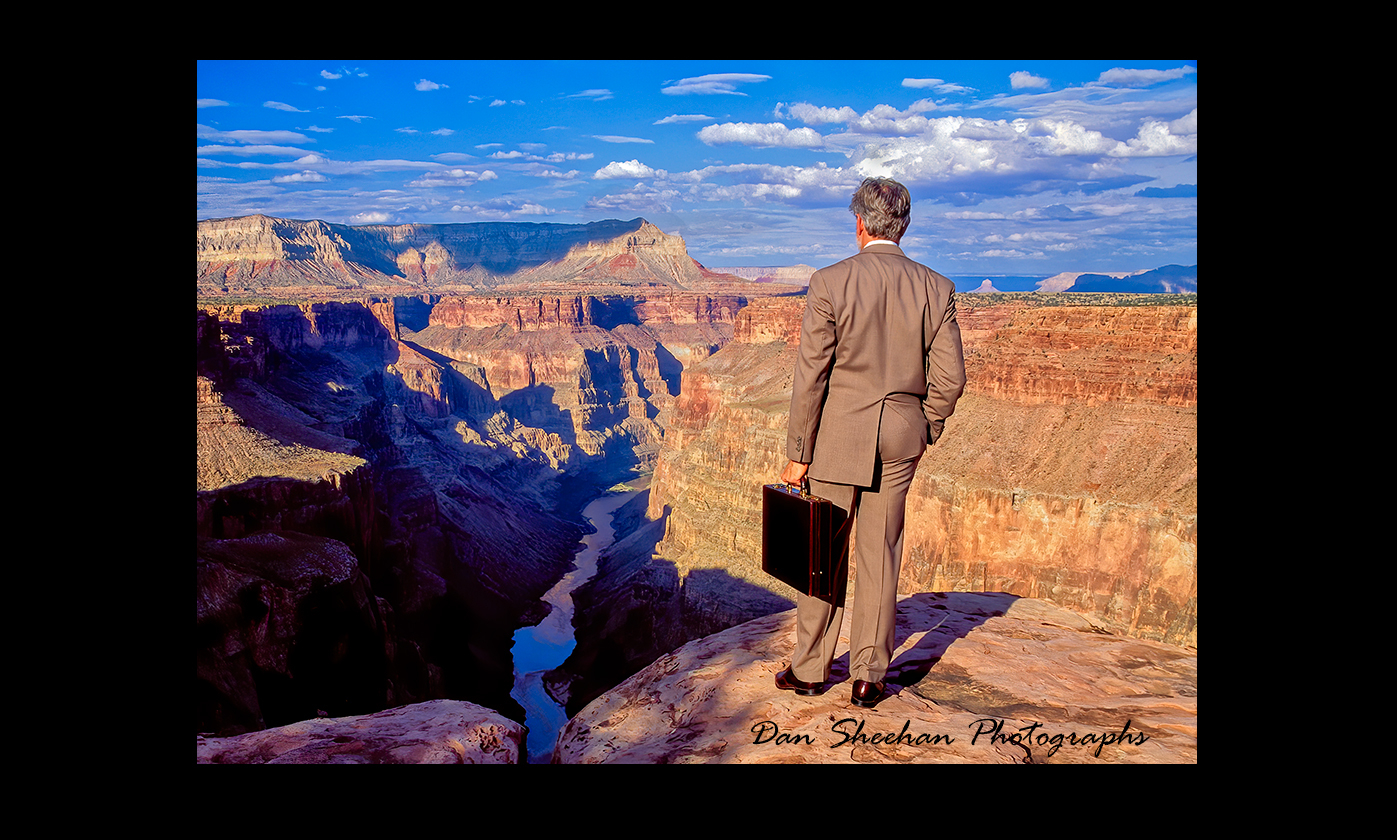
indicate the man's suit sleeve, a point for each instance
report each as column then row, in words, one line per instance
column 945, row 372
column 813, row 360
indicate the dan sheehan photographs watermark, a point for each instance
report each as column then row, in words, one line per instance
column 988, row 731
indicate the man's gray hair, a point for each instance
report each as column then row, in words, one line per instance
column 885, row 206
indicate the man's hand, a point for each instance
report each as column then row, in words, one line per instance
column 794, row 472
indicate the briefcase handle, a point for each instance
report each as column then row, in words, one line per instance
column 804, row 486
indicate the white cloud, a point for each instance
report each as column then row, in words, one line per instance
column 617, row 138
column 1064, row 137
column 427, row 84
column 1127, row 77
column 683, row 118
column 249, row 150
column 444, row 132
column 210, row 103
column 453, row 178
column 328, row 75
column 813, row 115
column 249, row 136
column 306, row 176
column 282, row 106
column 1020, row 79
column 627, row 169
column 1158, row 138
column 713, row 83
column 373, row 217
column 358, row 118
column 938, row 85
column 761, row 135
column 594, row 94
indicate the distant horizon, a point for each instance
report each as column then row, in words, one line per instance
column 1016, row 167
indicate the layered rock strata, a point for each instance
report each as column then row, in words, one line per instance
column 255, row 255
column 1068, row 473
column 317, row 423
column 590, row 373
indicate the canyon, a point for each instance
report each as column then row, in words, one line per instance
column 398, row 428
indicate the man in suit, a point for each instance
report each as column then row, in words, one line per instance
column 879, row 370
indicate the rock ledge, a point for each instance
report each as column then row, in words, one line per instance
column 435, row 732
column 977, row 678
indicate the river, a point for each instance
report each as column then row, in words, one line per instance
column 546, row 645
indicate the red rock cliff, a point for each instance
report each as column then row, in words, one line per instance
column 1068, row 473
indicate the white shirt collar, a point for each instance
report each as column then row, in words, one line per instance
column 881, row 242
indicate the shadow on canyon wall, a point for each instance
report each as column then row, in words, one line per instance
column 396, row 581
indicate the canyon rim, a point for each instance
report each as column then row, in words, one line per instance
column 399, row 426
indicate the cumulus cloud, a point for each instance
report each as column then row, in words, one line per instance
column 1020, row 79
column 453, row 178
column 371, row 217
column 426, row 84
column 764, row 135
column 814, row 115
column 627, row 169
column 306, row 176
column 713, row 83
column 1158, row 138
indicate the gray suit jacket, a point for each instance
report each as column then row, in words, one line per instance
column 877, row 327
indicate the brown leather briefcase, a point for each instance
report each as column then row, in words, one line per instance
column 805, row 542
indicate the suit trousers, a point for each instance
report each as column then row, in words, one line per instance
column 878, row 514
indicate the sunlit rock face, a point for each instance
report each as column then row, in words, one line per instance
column 1068, row 473
column 261, row 254
column 581, row 378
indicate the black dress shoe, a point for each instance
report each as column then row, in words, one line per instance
column 786, row 681
column 866, row 694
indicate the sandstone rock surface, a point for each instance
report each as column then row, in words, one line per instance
column 977, row 678
column 434, row 732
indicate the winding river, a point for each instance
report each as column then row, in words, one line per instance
column 546, row 645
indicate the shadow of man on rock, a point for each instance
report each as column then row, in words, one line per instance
column 932, row 621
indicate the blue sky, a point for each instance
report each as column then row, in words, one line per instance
column 1025, row 167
